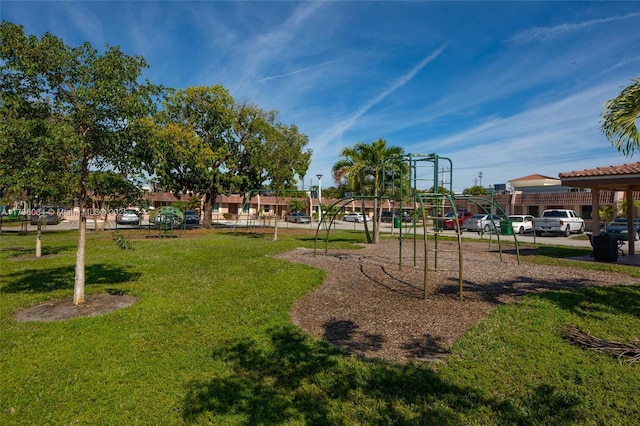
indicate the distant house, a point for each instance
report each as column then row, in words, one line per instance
column 538, row 184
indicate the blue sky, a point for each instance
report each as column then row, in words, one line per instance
column 505, row 89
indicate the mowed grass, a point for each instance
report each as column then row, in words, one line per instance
column 210, row 341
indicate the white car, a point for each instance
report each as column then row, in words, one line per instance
column 521, row 223
column 354, row 217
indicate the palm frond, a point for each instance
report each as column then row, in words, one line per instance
column 620, row 117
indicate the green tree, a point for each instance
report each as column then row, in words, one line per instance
column 475, row 190
column 112, row 191
column 204, row 143
column 29, row 133
column 89, row 104
column 361, row 167
column 333, row 192
column 297, row 205
column 620, row 118
column 283, row 156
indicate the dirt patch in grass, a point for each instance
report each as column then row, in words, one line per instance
column 372, row 308
column 64, row 309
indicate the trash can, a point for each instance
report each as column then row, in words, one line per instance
column 505, row 228
column 605, row 248
column 396, row 222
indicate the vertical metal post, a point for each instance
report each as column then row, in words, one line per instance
column 393, row 217
column 436, row 191
column 413, row 221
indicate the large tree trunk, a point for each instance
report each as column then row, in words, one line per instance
column 104, row 212
column 78, row 287
column 207, row 206
column 275, row 226
column 376, row 213
column 376, row 222
column 39, row 239
column 366, row 223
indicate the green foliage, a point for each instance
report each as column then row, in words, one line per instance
column 363, row 168
column 333, row 192
column 620, row 208
column 297, row 205
column 206, row 143
column 82, row 108
column 81, row 105
column 620, row 117
column 121, row 241
column 113, row 189
column 192, row 203
column 283, row 156
column 191, row 142
column 372, row 169
column 210, row 341
column 606, row 213
column 441, row 190
column 475, row 190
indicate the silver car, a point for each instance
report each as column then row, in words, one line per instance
column 354, row 217
column 298, row 217
column 128, row 217
column 482, row 223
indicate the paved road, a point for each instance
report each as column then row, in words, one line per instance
column 386, row 228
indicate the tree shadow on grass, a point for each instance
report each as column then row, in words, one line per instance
column 345, row 334
column 288, row 377
column 498, row 291
column 51, row 279
column 16, row 253
column 598, row 301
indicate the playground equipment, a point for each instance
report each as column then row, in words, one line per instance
column 258, row 219
column 168, row 219
column 431, row 204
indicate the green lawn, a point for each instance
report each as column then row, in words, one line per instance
column 210, row 342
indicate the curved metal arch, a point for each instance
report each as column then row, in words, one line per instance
column 334, row 213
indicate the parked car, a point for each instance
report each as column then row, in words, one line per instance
column 191, row 218
column 167, row 220
column 298, row 217
column 482, row 223
column 49, row 215
column 449, row 220
column 558, row 221
column 618, row 228
column 128, row 217
column 521, row 223
column 388, row 215
column 354, row 217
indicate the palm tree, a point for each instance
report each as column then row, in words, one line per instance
column 361, row 169
column 620, row 117
column 297, row 205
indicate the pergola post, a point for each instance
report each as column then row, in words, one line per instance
column 630, row 225
column 595, row 210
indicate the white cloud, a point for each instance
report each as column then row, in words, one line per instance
column 297, row 71
column 550, row 33
column 536, row 140
column 341, row 127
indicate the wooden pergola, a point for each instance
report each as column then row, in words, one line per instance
column 625, row 177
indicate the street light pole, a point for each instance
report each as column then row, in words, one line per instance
column 319, row 176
